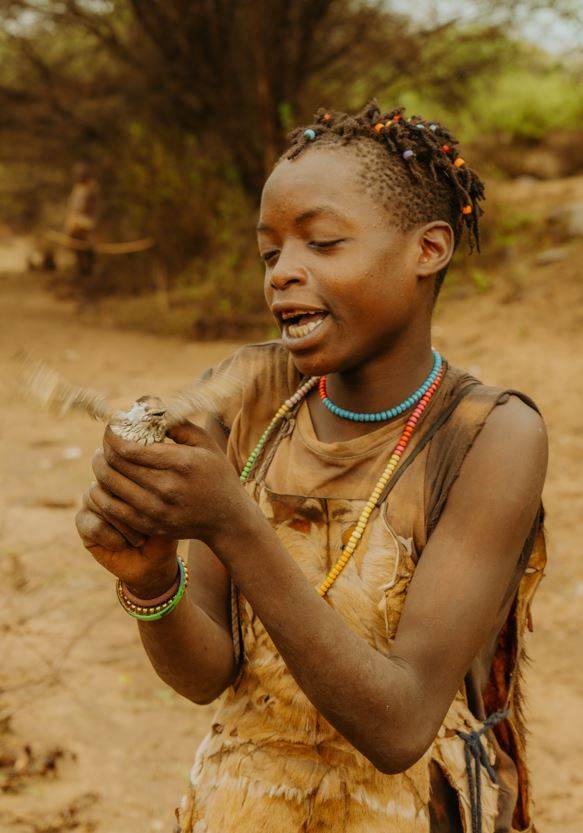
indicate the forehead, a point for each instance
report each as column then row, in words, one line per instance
column 330, row 176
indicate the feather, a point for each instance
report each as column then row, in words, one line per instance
column 208, row 395
column 58, row 395
column 148, row 419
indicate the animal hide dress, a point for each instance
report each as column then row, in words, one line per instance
column 270, row 761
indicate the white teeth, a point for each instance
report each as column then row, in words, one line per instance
column 296, row 312
column 301, row 330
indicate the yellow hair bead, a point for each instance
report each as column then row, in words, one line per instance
column 459, row 162
column 467, row 209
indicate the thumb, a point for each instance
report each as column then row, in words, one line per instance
column 187, row 434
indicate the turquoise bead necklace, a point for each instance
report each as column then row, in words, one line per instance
column 382, row 416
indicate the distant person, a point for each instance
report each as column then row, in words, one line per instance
column 365, row 520
column 81, row 219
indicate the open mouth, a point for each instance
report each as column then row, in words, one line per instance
column 300, row 323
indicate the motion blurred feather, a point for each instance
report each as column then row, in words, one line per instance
column 148, row 419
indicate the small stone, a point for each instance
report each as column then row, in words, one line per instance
column 73, row 452
column 567, row 220
column 551, row 256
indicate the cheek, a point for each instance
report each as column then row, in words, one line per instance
column 267, row 288
column 382, row 282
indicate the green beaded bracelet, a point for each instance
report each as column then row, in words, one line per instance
column 145, row 614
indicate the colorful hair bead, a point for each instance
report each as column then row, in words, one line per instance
column 310, row 134
column 467, row 209
column 397, row 116
column 459, row 162
column 420, row 126
column 408, row 154
column 434, row 127
column 327, row 117
column 445, row 148
column 378, row 127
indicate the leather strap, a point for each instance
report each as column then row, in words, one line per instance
column 426, row 437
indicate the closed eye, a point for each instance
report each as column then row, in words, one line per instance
column 326, row 244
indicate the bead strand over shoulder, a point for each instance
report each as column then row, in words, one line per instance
column 421, row 398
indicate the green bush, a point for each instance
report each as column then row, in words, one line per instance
column 525, row 103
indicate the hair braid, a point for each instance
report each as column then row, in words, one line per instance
column 426, row 184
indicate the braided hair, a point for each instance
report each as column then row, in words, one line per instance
column 413, row 166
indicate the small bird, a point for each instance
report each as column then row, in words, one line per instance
column 148, row 420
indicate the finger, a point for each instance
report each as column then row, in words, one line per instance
column 132, row 537
column 94, row 531
column 153, row 456
column 115, row 510
column 188, row 434
column 141, row 475
column 121, row 486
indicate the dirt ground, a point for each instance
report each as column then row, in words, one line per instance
column 90, row 739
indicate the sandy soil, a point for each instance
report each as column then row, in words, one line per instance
column 109, row 746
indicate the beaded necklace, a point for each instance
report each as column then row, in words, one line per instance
column 380, row 416
column 383, row 480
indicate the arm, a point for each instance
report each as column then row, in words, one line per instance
column 191, row 649
column 388, row 708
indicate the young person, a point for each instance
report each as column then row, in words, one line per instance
column 360, row 572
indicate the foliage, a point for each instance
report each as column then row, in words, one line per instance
column 182, row 108
column 526, row 104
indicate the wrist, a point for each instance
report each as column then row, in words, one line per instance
column 154, row 586
column 238, row 534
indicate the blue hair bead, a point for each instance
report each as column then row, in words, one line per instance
column 420, row 126
column 310, row 134
column 408, row 154
column 434, row 127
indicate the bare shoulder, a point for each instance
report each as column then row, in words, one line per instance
column 512, row 449
column 516, row 426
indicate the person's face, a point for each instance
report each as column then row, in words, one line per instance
column 340, row 278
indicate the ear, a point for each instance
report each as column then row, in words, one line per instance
column 435, row 243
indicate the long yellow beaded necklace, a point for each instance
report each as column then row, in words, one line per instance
column 383, row 480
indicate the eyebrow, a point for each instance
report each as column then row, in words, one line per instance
column 308, row 215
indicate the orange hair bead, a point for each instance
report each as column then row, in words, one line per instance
column 396, row 117
column 467, row 209
column 379, row 126
column 327, row 117
column 459, row 162
column 445, row 148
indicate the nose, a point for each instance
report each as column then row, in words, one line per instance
column 286, row 273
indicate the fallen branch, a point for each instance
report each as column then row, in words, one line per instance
column 130, row 247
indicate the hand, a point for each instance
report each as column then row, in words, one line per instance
column 187, row 489
column 147, row 565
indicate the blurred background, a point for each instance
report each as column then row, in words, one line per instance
column 135, row 136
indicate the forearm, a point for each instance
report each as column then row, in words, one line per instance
column 364, row 695
column 190, row 651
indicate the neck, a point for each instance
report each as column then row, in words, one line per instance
column 371, row 386
column 385, row 381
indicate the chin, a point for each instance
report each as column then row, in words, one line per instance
column 319, row 363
